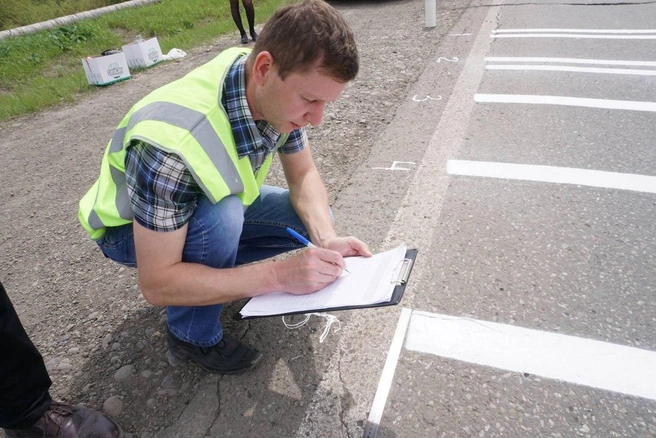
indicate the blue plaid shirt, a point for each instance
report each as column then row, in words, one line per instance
column 161, row 188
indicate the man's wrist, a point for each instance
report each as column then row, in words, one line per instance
column 272, row 272
column 322, row 240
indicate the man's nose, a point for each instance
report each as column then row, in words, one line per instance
column 315, row 114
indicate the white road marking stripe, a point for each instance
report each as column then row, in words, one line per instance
column 550, row 174
column 573, row 35
column 568, row 101
column 614, row 71
column 569, row 60
column 385, row 383
column 603, row 365
column 617, row 31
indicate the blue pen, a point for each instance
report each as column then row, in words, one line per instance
column 300, row 238
column 304, row 241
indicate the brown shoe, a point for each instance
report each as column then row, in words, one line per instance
column 68, row 421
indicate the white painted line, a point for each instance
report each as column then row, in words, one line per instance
column 571, row 359
column 567, row 101
column 569, row 60
column 573, row 35
column 618, row 31
column 613, row 71
column 385, row 383
column 550, row 174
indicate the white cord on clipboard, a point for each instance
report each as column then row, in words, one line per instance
column 330, row 320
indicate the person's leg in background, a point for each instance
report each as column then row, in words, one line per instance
column 26, row 408
column 24, row 381
column 250, row 16
column 236, row 17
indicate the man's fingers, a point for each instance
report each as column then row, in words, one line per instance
column 318, row 280
column 362, row 248
column 332, row 258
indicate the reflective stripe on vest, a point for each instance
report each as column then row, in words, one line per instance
column 123, row 204
column 200, row 128
column 197, row 124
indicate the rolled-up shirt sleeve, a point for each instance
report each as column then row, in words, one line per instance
column 162, row 191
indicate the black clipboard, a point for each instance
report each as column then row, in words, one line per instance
column 401, row 282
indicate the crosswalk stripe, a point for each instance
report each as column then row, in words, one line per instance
column 582, row 361
column 566, row 101
column 547, row 30
column 552, row 174
column 574, row 35
column 614, row 71
column 545, row 59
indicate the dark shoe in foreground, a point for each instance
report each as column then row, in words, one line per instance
column 68, row 421
column 254, row 35
column 244, row 39
column 229, row 356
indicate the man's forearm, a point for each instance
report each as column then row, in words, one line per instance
column 193, row 284
column 310, row 200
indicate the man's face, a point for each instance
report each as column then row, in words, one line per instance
column 297, row 101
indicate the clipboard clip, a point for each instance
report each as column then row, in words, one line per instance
column 402, row 271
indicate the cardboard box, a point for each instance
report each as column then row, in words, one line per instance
column 105, row 70
column 143, row 54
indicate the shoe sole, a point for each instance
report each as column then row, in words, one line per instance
column 175, row 360
column 120, row 429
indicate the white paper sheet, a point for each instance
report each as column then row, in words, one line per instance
column 370, row 282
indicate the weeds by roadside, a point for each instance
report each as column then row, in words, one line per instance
column 44, row 69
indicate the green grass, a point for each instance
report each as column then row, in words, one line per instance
column 45, row 68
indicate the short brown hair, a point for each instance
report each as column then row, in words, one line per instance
column 300, row 35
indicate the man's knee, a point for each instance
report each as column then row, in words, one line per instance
column 219, row 223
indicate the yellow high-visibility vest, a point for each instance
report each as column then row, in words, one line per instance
column 184, row 117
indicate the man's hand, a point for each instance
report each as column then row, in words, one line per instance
column 310, row 270
column 315, row 268
column 347, row 246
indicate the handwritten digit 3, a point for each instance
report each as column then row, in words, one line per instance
column 442, row 58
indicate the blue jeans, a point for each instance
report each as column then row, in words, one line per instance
column 220, row 235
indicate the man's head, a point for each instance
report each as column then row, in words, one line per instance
column 306, row 35
column 303, row 58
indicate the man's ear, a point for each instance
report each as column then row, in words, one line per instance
column 262, row 67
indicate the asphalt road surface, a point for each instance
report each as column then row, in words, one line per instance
column 533, row 310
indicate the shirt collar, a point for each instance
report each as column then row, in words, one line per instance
column 246, row 132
